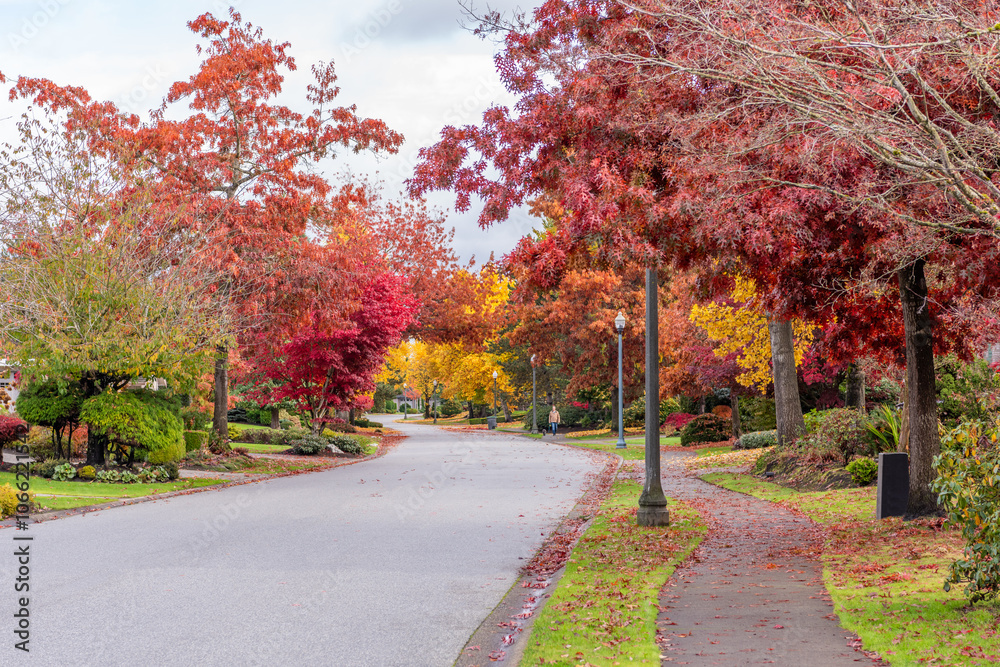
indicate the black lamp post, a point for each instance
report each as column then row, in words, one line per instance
column 434, row 401
column 652, row 502
column 620, row 328
column 534, row 404
column 406, row 404
column 494, row 394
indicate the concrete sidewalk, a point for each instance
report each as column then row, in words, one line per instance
column 752, row 593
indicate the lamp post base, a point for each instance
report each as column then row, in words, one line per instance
column 621, row 444
column 653, row 515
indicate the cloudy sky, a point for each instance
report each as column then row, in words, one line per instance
column 408, row 62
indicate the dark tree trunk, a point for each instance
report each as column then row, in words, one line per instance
column 506, row 410
column 701, row 405
column 734, row 401
column 925, row 443
column 275, row 418
column 787, row 406
column 471, row 406
column 97, row 446
column 855, row 393
column 904, row 422
column 220, row 421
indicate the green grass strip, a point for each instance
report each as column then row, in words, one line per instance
column 603, row 611
column 105, row 490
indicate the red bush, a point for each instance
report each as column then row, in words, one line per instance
column 678, row 420
column 11, row 429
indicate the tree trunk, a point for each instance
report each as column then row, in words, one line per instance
column 925, row 443
column 787, row 406
column 855, row 394
column 275, row 418
column 220, row 420
column 471, row 415
column 97, row 445
column 734, row 401
column 904, row 422
column 701, row 405
column 506, row 410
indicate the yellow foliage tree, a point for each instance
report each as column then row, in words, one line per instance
column 743, row 329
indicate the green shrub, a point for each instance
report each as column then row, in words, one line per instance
column 64, row 472
column 129, row 477
column 46, row 468
column 348, row 445
column 863, row 470
column 570, row 416
column 9, row 500
column 194, row 419
column 171, row 469
column 86, row 472
column 841, row 434
column 757, row 440
column 450, row 408
column 813, row 419
column 138, row 419
column 285, row 438
column 884, row 425
column 233, row 432
column 340, row 428
column 110, row 476
column 706, row 428
column 968, row 488
column 963, row 389
column 758, row 414
column 194, row 440
column 308, row 445
column 473, row 422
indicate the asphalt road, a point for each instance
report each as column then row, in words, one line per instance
column 394, row 561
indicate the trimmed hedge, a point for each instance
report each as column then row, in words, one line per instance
column 757, row 440
column 706, row 428
column 194, row 440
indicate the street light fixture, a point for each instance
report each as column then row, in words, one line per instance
column 434, row 402
column 534, row 405
column 620, row 328
column 494, row 394
column 406, row 405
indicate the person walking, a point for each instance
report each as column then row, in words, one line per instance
column 554, row 420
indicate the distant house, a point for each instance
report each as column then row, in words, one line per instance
column 411, row 399
column 992, row 355
column 8, row 394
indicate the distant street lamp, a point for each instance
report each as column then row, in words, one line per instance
column 620, row 328
column 534, row 405
column 406, row 405
column 434, row 401
column 494, row 393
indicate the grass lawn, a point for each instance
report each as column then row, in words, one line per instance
column 886, row 578
column 668, row 441
column 260, row 449
column 603, row 612
column 66, row 495
column 249, row 426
